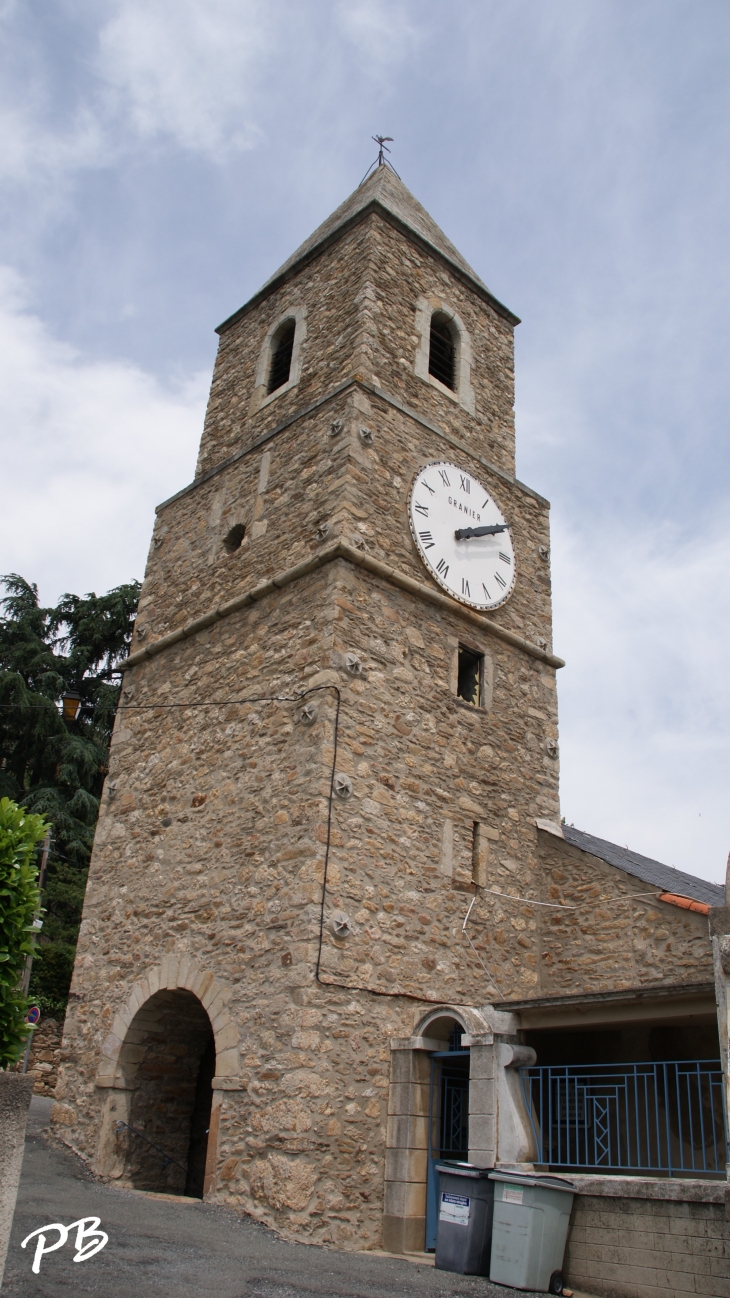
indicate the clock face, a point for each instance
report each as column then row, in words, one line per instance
column 477, row 570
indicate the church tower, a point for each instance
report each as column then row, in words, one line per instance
column 338, row 729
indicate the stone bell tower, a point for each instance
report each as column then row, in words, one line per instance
column 323, row 756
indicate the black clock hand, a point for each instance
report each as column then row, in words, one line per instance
column 465, row 533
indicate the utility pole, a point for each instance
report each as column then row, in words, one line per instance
column 25, row 981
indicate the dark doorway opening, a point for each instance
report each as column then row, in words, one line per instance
column 200, row 1123
column 171, row 1048
column 448, row 1119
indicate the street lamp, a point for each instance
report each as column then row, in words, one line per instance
column 71, row 705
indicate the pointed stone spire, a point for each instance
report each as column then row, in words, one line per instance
column 382, row 188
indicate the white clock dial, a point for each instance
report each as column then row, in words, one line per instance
column 445, row 501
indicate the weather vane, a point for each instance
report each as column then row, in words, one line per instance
column 382, row 142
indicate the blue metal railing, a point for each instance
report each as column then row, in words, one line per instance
column 660, row 1118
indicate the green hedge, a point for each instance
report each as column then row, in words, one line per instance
column 20, row 834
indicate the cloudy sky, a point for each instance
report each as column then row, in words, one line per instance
column 161, row 157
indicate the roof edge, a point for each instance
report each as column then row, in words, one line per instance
column 374, row 205
column 666, row 878
column 645, row 991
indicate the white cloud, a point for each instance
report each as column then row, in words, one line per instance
column 34, row 149
column 89, row 448
column 187, row 69
column 382, row 32
column 644, row 622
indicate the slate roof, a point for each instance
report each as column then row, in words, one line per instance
column 385, row 188
column 644, row 868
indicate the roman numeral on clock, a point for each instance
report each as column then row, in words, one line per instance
column 486, row 592
column 425, row 484
column 465, row 484
column 442, row 567
column 422, row 509
column 484, row 506
column 500, row 580
column 428, row 541
column 504, row 557
column 465, row 587
column 444, row 477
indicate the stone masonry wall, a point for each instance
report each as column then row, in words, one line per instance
column 630, row 938
column 215, row 825
column 45, row 1056
column 361, row 296
column 329, row 288
column 211, row 847
column 400, row 274
column 305, row 477
column 635, row 1247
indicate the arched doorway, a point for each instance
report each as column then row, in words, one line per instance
column 169, row 1056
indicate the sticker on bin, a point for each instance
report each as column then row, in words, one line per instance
column 455, row 1207
column 511, row 1195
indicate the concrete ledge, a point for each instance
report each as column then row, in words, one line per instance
column 416, row 1043
column 340, row 550
column 682, row 1190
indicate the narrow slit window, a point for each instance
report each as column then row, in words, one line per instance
column 471, row 667
column 477, row 856
column 281, row 354
column 442, row 353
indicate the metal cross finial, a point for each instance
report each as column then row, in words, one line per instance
column 380, row 140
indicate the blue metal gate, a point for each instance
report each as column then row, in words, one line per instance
column 448, row 1123
column 648, row 1117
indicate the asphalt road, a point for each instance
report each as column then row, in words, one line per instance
column 186, row 1249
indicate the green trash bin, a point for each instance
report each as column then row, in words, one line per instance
column 529, row 1230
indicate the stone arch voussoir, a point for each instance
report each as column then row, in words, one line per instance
column 474, row 1022
column 172, row 974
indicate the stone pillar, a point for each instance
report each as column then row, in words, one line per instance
column 515, row 1137
column 406, row 1154
column 482, row 1100
column 500, row 1131
column 16, row 1090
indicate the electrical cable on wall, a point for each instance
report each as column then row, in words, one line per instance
column 483, row 892
column 296, row 698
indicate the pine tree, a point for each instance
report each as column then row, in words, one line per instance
column 56, row 767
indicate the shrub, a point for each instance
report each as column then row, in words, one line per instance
column 19, row 901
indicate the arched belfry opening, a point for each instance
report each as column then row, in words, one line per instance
column 442, row 350
column 169, row 1059
column 282, row 347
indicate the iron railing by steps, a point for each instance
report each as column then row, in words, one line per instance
column 665, row 1119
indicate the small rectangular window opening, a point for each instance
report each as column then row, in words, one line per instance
column 281, row 356
column 471, row 670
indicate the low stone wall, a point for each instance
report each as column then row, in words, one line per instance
column 45, row 1056
column 634, row 1237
